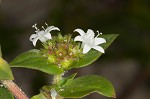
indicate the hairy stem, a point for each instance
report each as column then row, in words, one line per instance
column 56, row 79
column 15, row 90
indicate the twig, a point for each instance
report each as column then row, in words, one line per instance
column 15, row 90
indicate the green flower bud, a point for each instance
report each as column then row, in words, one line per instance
column 66, row 63
column 62, row 50
column 51, row 58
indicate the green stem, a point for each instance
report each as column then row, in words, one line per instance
column 56, row 79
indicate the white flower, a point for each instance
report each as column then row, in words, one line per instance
column 89, row 41
column 42, row 35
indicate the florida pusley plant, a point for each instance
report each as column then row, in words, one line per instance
column 59, row 54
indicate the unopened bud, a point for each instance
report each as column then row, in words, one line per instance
column 51, row 58
column 66, row 63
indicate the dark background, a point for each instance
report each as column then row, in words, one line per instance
column 126, row 62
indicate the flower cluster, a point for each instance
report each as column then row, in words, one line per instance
column 63, row 50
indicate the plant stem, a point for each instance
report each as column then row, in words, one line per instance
column 15, row 90
column 56, row 79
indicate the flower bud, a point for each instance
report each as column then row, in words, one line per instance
column 62, row 50
column 51, row 58
column 66, row 63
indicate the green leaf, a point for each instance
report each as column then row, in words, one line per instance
column 46, row 89
column 83, row 86
column 5, row 71
column 39, row 96
column 65, row 80
column 5, row 94
column 93, row 55
column 33, row 59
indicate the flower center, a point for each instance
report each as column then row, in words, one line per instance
column 89, row 39
column 62, row 51
column 40, row 34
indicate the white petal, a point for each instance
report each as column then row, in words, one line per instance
column 99, row 48
column 35, row 40
column 98, row 41
column 50, row 28
column 78, row 38
column 43, row 36
column 86, row 48
column 47, row 35
column 80, row 31
column 33, row 36
column 90, row 32
column 40, row 33
column 43, row 39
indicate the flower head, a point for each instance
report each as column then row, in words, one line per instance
column 62, row 51
column 42, row 35
column 89, row 40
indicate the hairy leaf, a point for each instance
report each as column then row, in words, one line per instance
column 83, row 86
column 34, row 60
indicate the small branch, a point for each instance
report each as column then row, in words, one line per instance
column 56, row 79
column 15, row 90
